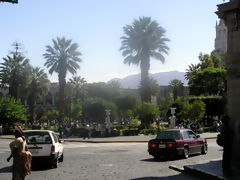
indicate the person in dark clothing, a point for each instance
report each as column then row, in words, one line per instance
column 227, row 135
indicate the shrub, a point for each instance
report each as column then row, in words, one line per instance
column 148, row 131
column 129, row 132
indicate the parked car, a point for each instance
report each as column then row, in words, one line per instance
column 45, row 146
column 181, row 142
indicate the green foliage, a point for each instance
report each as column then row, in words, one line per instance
column 61, row 58
column 76, row 110
column 147, row 113
column 176, row 87
column 210, row 81
column 135, row 122
column 190, row 112
column 148, row 131
column 14, row 74
column 125, row 105
column 50, row 116
column 94, row 109
column 11, row 111
column 165, row 104
column 154, row 87
column 76, row 88
column 38, row 88
column 129, row 132
column 207, row 77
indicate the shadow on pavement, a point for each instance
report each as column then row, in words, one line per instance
column 6, row 169
column 40, row 166
column 177, row 177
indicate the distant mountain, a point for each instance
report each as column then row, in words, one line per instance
column 163, row 79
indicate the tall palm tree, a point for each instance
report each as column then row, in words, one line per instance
column 177, row 88
column 61, row 58
column 14, row 73
column 191, row 71
column 78, row 84
column 144, row 39
column 38, row 88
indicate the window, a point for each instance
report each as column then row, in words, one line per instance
column 186, row 135
column 38, row 138
column 192, row 135
column 168, row 135
column 55, row 137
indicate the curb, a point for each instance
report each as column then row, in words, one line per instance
column 179, row 169
column 68, row 140
column 202, row 173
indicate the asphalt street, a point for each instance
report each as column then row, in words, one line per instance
column 109, row 161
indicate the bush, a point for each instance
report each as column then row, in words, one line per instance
column 129, row 132
column 148, row 131
column 96, row 133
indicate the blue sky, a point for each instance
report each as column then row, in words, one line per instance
column 97, row 25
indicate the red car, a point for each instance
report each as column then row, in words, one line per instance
column 182, row 142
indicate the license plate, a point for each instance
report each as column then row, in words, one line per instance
column 162, row 146
column 34, row 151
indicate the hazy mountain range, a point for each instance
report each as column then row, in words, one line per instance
column 163, row 79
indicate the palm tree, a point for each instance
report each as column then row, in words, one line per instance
column 191, row 71
column 176, row 86
column 38, row 88
column 144, row 39
column 154, row 87
column 79, row 86
column 61, row 58
column 14, row 73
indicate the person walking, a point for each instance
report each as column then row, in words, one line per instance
column 21, row 159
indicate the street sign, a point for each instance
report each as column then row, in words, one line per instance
column 11, row 1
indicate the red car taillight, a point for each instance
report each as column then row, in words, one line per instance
column 153, row 145
column 52, row 148
column 170, row 145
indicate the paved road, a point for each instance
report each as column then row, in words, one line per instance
column 109, row 161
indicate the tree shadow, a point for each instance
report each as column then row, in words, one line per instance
column 6, row 169
column 173, row 177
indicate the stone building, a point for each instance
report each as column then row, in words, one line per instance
column 220, row 45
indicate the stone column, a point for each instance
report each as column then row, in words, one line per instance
column 230, row 13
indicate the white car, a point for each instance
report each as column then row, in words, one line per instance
column 45, row 145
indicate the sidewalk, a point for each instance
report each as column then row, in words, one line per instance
column 209, row 170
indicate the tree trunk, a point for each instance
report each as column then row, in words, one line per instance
column 62, row 83
column 144, row 87
column 32, row 109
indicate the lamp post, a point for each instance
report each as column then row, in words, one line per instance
column 230, row 13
